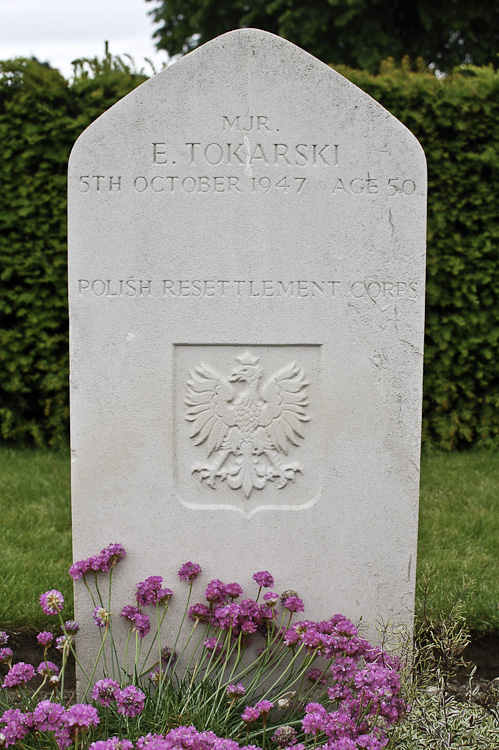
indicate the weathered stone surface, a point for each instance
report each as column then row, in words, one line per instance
column 246, row 277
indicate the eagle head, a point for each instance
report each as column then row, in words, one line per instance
column 247, row 371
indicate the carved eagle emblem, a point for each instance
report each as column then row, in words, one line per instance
column 246, row 425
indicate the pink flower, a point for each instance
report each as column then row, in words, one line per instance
column 102, row 562
column 264, row 579
column 294, row 604
column 52, row 602
column 129, row 612
column 101, row 617
column 233, row 590
column 199, row 612
column 158, row 742
column 63, row 642
column 291, row 637
column 105, row 691
column 48, row 668
column 236, row 690
column 264, row 707
column 250, row 715
column 248, row 627
column 111, row 555
column 48, row 716
column 71, row 627
column 130, row 701
column 212, row 644
column 315, row 718
column 114, row 743
column 5, row 655
column 18, row 674
column 140, row 623
column 271, row 597
column 17, row 726
column 44, row 638
column 216, row 592
column 315, row 675
column 3, row 637
column 81, row 716
column 150, row 591
column 78, row 569
column 189, row 571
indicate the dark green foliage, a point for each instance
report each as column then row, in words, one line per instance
column 360, row 33
column 41, row 116
column 457, row 122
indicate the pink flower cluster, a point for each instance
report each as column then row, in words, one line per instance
column 189, row 571
column 252, row 713
column 45, row 638
column 129, row 701
column 187, row 738
column 140, row 623
column 5, row 655
column 114, row 743
column 264, row 579
column 236, row 691
column 18, row 674
column 48, row 716
column 48, row 669
column 367, row 704
column 150, row 591
column 103, row 562
column 52, row 602
column 329, row 638
column 65, row 723
column 246, row 617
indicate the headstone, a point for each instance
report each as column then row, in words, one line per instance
column 246, row 278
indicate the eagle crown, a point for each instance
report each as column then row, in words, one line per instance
column 248, row 371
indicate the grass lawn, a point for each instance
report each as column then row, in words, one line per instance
column 35, row 548
column 459, row 533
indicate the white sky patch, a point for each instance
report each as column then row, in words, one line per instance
column 59, row 31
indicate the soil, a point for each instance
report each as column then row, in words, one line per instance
column 27, row 649
column 483, row 652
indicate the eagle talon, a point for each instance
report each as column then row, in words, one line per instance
column 284, row 474
column 207, row 474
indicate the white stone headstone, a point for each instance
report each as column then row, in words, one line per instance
column 246, row 279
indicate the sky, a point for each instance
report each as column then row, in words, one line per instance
column 59, row 31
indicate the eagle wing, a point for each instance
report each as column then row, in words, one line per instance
column 209, row 409
column 286, row 399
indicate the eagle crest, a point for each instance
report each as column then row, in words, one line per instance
column 246, row 425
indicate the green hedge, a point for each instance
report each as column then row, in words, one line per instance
column 41, row 116
column 457, row 122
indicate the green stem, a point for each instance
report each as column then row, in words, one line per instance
column 114, row 650
column 124, row 667
column 39, row 688
column 89, row 591
column 96, row 663
column 70, row 644
column 151, row 645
